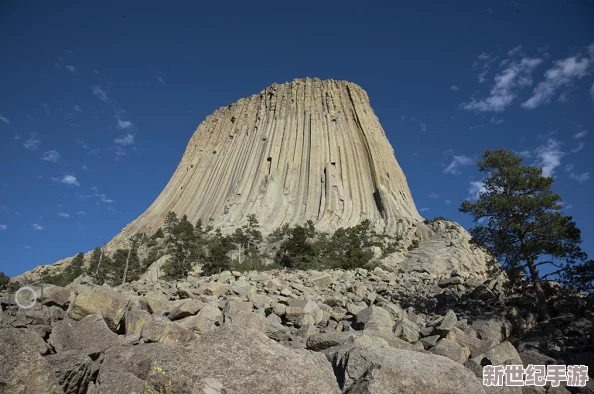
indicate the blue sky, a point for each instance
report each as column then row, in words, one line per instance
column 100, row 98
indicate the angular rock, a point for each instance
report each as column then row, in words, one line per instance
column 451, row 350
column 23, row 369
column 206, row 320
column 233, row 360
column 73, row 370
column 374, row 319
column 407, row 330
column 502, row 354
column 109, row 303
column 496, row 329
column 163, row 330
column 189, row 307
column 376, row 370
column 321, row 280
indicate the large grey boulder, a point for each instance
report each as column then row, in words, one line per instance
column 23, row 370
column 226, row 360
column 385, row 370
column 111, row 304
column 374, row 318
column 90, row 335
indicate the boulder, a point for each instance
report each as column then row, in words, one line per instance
column 189, row 307
column 109, row 303
column 385, row 370
column 502, row 354
column 90, row 335
column 496, row 329
column 451, row 350
column 24, row 370
column 206, row 320
column 161, row 329
column 374, row 319
column 73, row 370
column 226, row 360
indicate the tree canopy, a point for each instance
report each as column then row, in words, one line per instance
column 519, row 221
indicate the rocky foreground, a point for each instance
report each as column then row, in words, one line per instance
column 284, row 332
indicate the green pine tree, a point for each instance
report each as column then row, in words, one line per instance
column 519, row 221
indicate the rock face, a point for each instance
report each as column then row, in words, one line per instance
column 305, row 150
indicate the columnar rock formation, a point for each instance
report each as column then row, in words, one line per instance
column 305, row 150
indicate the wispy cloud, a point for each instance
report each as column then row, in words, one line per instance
column 592, row 92
column 84, row 167
column 33, row 142
column 77, row 108
column 494, row 120
column 483, row 65
column 475, row 188
column 548, row 156
column 458, row 161
column 70, row 68
column 37, row 227
column 423, row 126
column 68, row 180
column 580, row 177
column 563, row 73
column 45, row 108
column 3, row 227
column 447, row 201
column 124, row 124
column 81, row 213
column 99, row 93
column 454, row 88
column 4, row 119
column 52, row 155
column 127, row 139
column 578, row 148
column 159, row 77
column 584, row 176
column 516, row 73
column 433, row 195
column 581, row 134
column 423, row 209
column 64, row 214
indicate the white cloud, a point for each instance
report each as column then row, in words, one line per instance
column 127, row 139
column 483, row 65
column 27, row 246
column 423, row 127
column 447, row 201
column 68, row 180
column 592, row 92
column 433, row 195
column 454, row 88
column 37, row 227
column 458, row 161
column 549, row 156
column 581, row 134
column 515, row 75
column 81, row 213
column 525, row 154
column 494, row 120
column 45, row 108
column 100, row 93
column 32, row 143
column 70, row 68
column 475, row 189
column 3, row 226
column 77, row 108
column 579, row 148
column 124, row 124
column 64, row 214
column 584, row 176
column 563, row 73
column 84, row 167
column 103, row 198
column 423, row 209
column 52, row 155
column 5, row 120
column 159, row 77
